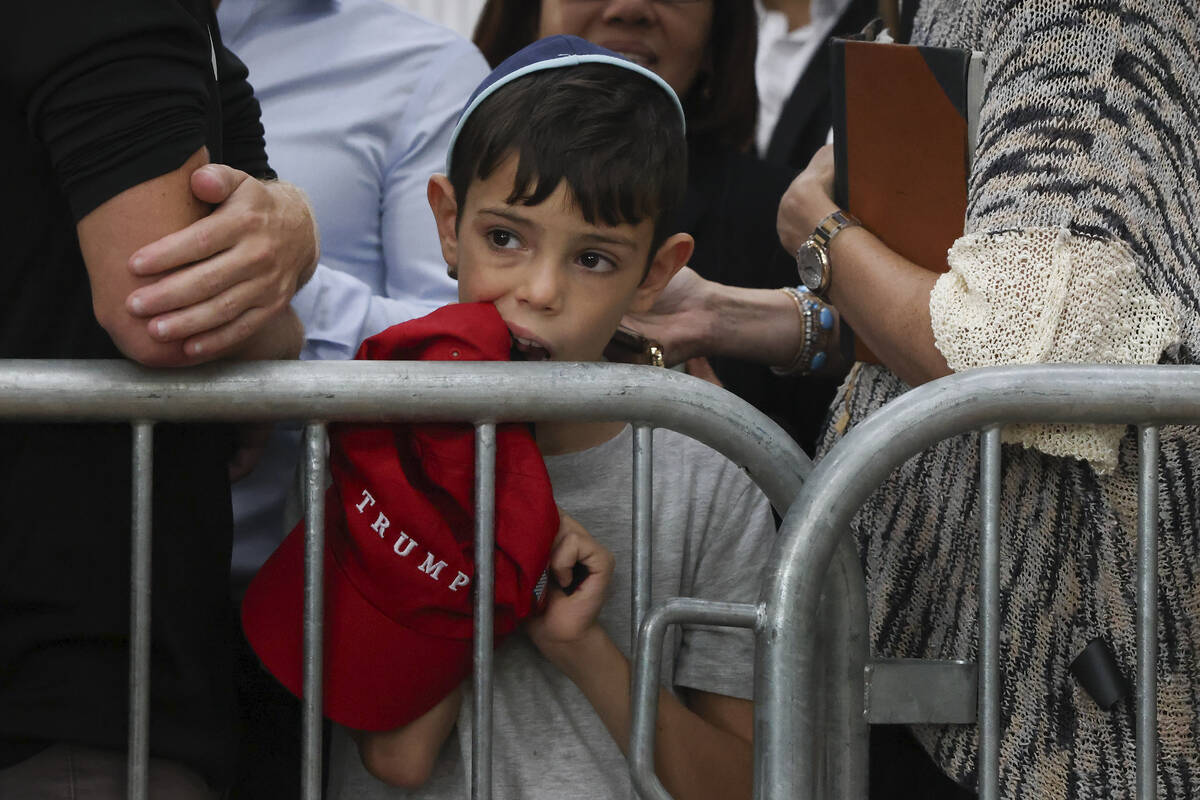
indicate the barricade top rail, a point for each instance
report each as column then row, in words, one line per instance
column 410, row 391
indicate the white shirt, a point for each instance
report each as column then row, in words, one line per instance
column 783, row 56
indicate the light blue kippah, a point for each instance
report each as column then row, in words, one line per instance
column 552, row 52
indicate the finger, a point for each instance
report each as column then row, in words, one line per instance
column 563, row 557
column 214, row 183
column 191, row 286
column 596, row 557
column 207, row 316
column 216, row 342
column 579, row 574
column 202, row 239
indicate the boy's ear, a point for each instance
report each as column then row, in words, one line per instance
column 670, row 257
column 445, row 213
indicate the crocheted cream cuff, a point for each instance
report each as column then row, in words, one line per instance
column 1044, row 296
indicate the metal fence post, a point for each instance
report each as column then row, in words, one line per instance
column 643, row 515
column 1147, row 614
column 315, row 440
column 989, row 614
column 485, row 594
column 139, row 613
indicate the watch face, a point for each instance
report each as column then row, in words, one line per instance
column 810, row 261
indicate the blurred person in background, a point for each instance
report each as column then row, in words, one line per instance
column 795, row 109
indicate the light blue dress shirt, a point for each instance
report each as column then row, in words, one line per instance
column 358, row 100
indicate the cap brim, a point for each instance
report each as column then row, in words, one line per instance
column 378, row 673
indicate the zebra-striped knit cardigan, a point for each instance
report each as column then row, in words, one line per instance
column 1086, row 169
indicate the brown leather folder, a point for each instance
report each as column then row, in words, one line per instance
column 903, row 120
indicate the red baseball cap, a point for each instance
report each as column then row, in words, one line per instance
column 399, row 550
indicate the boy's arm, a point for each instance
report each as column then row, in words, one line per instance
column 703, row 751
column 405, row 756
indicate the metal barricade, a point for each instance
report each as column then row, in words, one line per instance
column 793, row 661
column 483, row 394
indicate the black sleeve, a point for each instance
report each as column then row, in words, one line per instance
column 242, row 130
column 115, row 93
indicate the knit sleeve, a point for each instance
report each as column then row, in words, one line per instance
column 1046, row 296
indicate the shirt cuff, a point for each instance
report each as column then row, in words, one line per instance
column 1049, row 296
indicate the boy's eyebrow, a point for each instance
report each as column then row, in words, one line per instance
column 599, row 238
column 509, row 215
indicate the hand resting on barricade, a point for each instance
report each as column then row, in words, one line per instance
column 225, row 275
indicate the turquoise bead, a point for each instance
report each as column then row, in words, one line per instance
column 818, row 360
column 827, row 319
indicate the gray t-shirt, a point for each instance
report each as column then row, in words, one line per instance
column 713, row 533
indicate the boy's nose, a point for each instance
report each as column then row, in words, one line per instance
column 541, row 286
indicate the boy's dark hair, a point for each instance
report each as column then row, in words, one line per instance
column 614, row 136
column 721, row 106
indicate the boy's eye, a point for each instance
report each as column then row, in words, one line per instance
column 596, row 262
column 502, row 238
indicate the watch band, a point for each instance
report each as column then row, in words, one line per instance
column 833, row 224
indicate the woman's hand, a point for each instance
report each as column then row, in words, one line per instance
column 568, row 618
column 807, row 201
column 224, row 276
column 680, row 321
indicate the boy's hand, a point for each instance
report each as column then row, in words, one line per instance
column 569, row 617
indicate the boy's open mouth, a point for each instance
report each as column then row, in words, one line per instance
column 527, row 350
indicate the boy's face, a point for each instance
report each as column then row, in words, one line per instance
column 561, row 283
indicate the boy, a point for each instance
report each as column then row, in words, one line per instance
column 563, row 178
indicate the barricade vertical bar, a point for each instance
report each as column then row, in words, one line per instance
column 485, row 593
column 643, row 510
column 1147, row 614
column 844, row 769
column 139, row 609
column 989, row 614
column 315, row 436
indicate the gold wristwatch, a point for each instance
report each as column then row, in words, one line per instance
column 812, row 259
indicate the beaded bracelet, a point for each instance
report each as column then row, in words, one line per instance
column 817, row 320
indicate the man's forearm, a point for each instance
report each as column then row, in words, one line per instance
column 281, row 339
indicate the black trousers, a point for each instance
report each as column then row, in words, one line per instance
column 901, row 769
column 269, row 743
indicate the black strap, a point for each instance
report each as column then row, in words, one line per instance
column 908, row 12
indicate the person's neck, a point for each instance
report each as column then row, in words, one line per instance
column 797, row 12
column 560, row 438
